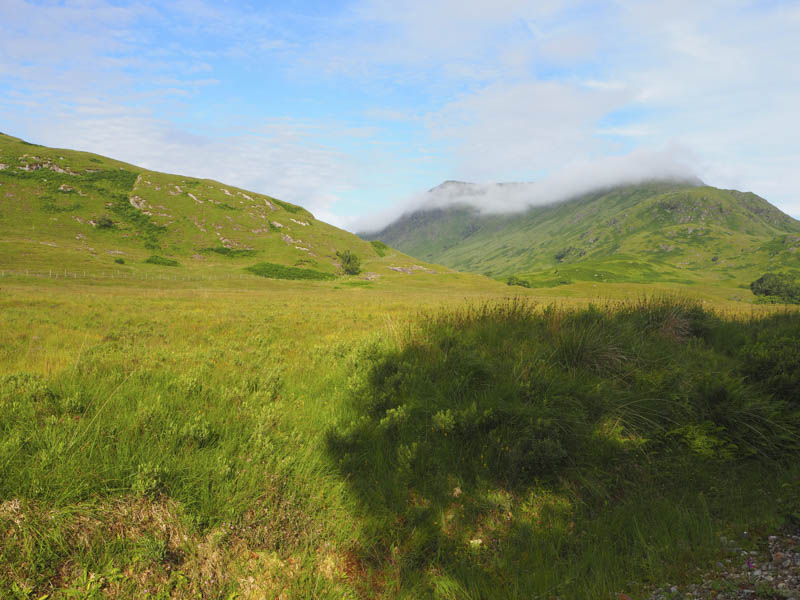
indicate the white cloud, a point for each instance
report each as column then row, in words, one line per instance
column 669, row 163
column 494, row 90
column 277, row 158
column 523, row 128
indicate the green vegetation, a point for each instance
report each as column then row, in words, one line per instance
column 230, row 252
column 380, row 248
column 201, row 433
column 274, row 271
column 62, row 208
column 499, row 449
column 514, row 280
column 104, row 222
column 351, row 264
column 778, row 287
column 664, row 232
column 160, row 260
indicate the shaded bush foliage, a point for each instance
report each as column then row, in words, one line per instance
column 777, row 285
column 514, row 280
column 594, row 403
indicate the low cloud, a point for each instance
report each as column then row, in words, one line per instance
column 670, row 163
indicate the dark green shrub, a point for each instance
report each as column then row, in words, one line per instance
column 275, row 271
column 777, row 285
column 155, row 259
column 104, row 222
column 514, row 280
column 230, row 252
column 351, row 264
column 119, row 261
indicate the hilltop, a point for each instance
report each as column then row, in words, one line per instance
column 85, row 213
column 658, row 231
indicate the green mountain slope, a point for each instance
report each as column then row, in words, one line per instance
column 80, row 212
column 657, row 231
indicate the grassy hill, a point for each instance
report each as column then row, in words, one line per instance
column 84, row 213
column 671, row 232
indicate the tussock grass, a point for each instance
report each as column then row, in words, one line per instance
column 582, row 443
column 292, row 439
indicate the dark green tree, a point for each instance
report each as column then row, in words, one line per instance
column 351, row 264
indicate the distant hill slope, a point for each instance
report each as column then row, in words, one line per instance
column 80, row 211
column 682, row 232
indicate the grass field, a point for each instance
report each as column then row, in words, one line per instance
column 421, row 436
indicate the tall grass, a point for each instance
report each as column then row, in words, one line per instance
column 582, row 444
column 206, row 444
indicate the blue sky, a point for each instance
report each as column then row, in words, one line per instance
column 351, row 108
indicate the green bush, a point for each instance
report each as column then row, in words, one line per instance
column 777, row 285
column 599, row 405
column 380, row 248
column 351, row 264
column 275, row 271
column 155, row 259
column 514, row 280
column 104, row 222
column 230, row 252
column 119, row 261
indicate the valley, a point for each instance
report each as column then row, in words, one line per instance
column 197, row 401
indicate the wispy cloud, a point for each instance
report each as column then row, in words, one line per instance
column 365, row 101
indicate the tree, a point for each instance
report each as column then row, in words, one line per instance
column 351, row 264
column 778, row 285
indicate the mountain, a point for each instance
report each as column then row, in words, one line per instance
column 671, row 231
column 80, row 212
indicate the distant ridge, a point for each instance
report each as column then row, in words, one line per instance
column 671, row 230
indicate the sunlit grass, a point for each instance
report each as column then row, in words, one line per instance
column 176, row 437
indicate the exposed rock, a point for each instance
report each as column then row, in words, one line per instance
column 137, row 202
column 276, row 224
column 303, row 223
column 770, row 573
column 289, row 240
column 195, row 198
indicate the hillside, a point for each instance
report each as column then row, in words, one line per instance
column 680, row 232
column 83, row 213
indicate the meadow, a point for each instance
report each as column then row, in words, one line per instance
column 252, row 438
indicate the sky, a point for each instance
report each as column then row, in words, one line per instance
column 352, row 108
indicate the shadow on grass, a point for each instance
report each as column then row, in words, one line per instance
column 512, row 451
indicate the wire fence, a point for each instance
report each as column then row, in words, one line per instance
column 122, row 275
